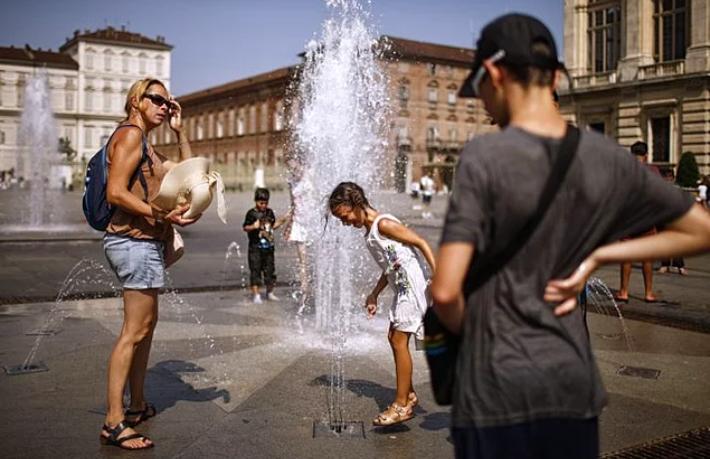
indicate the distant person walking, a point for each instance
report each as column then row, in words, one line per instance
column 133, row 245
column 426, row 184
column 527, row 385
column 640, row 152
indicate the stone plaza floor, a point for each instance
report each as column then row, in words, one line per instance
column 234, row 379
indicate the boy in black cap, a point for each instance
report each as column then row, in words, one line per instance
column 526, row 382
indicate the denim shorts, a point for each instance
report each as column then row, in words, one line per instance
column 138, row 263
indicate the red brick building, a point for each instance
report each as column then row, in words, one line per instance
column 242, row 125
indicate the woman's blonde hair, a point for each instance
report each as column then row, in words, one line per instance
column 138, row 90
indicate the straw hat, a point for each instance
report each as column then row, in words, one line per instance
column 190, row 181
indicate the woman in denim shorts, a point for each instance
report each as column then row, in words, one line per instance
column 133, row 245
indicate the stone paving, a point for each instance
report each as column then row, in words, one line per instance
column 234, row 379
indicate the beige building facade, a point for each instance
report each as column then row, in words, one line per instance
column 243, row 125
column 640, row 70
column 88, row 77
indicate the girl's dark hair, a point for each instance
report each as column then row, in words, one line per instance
column 349, row 194
column 346, row 193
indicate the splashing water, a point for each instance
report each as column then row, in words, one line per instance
column 340, row 129
column 602, row 300
column 233, row 253
column 86, row 272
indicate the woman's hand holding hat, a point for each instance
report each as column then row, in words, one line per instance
column 175, row 216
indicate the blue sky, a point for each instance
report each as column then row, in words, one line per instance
column 217, row 41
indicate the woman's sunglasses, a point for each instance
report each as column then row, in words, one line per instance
column 158, row 100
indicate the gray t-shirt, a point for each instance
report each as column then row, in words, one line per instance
column 518, row 362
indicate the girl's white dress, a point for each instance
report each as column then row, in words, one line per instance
column 408, row 275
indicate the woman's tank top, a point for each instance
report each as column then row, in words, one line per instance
column 127, row 224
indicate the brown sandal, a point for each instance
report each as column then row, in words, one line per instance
column 394, row 414
column 136, row 417
column 113, row 437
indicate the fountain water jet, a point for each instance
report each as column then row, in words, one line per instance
column 38, row 148
column 85, row 272
column 340, row 129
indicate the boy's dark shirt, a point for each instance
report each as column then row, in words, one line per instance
column 252, row 216
column 518, row 362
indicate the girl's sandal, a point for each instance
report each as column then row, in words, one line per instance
column 136, row 417
column 394, row 414
column 113, row 437
column 413, row 400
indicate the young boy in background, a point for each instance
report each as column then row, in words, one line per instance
column 259, row 224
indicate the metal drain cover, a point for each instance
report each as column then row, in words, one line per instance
column 22, row 369
column 344, row 429
column 638, row 372
column 691, row 444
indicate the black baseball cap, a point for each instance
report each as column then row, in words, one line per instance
column 510, row 38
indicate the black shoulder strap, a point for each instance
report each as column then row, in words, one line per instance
column 494, row 263
column 138, row 174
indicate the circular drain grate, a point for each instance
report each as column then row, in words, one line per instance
column 694, row 444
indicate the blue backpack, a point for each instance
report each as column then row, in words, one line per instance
column 97, row 210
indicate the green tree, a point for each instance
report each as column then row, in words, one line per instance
column 688, row 173
column 66, row 149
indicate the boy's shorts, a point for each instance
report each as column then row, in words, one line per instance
column 261, row 262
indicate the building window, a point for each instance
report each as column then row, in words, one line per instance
column 433, row 95
column 431, row 68
column 597, row 127
column 240, row 125
column 107, row 100
column 89, row 100
column 661, row 139
column 159, row 66
column 432, row 133
column 2, row 137
column 453, row 134
column 403, row 92
column 604, row 38
column 671, row 29
column 20, row 91
column 264, row 121
column 220, row 128
column 142, row 63
column 199, row 128
column 88, row 134
column 125, row 62
column 279, row 117
column 69, row 96
column 108, row 60
column 252, row 119
column 90, row 59
column 452, row 97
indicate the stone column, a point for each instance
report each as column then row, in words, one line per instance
column 575, row 36
column 637, row 37
column 697, row 58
